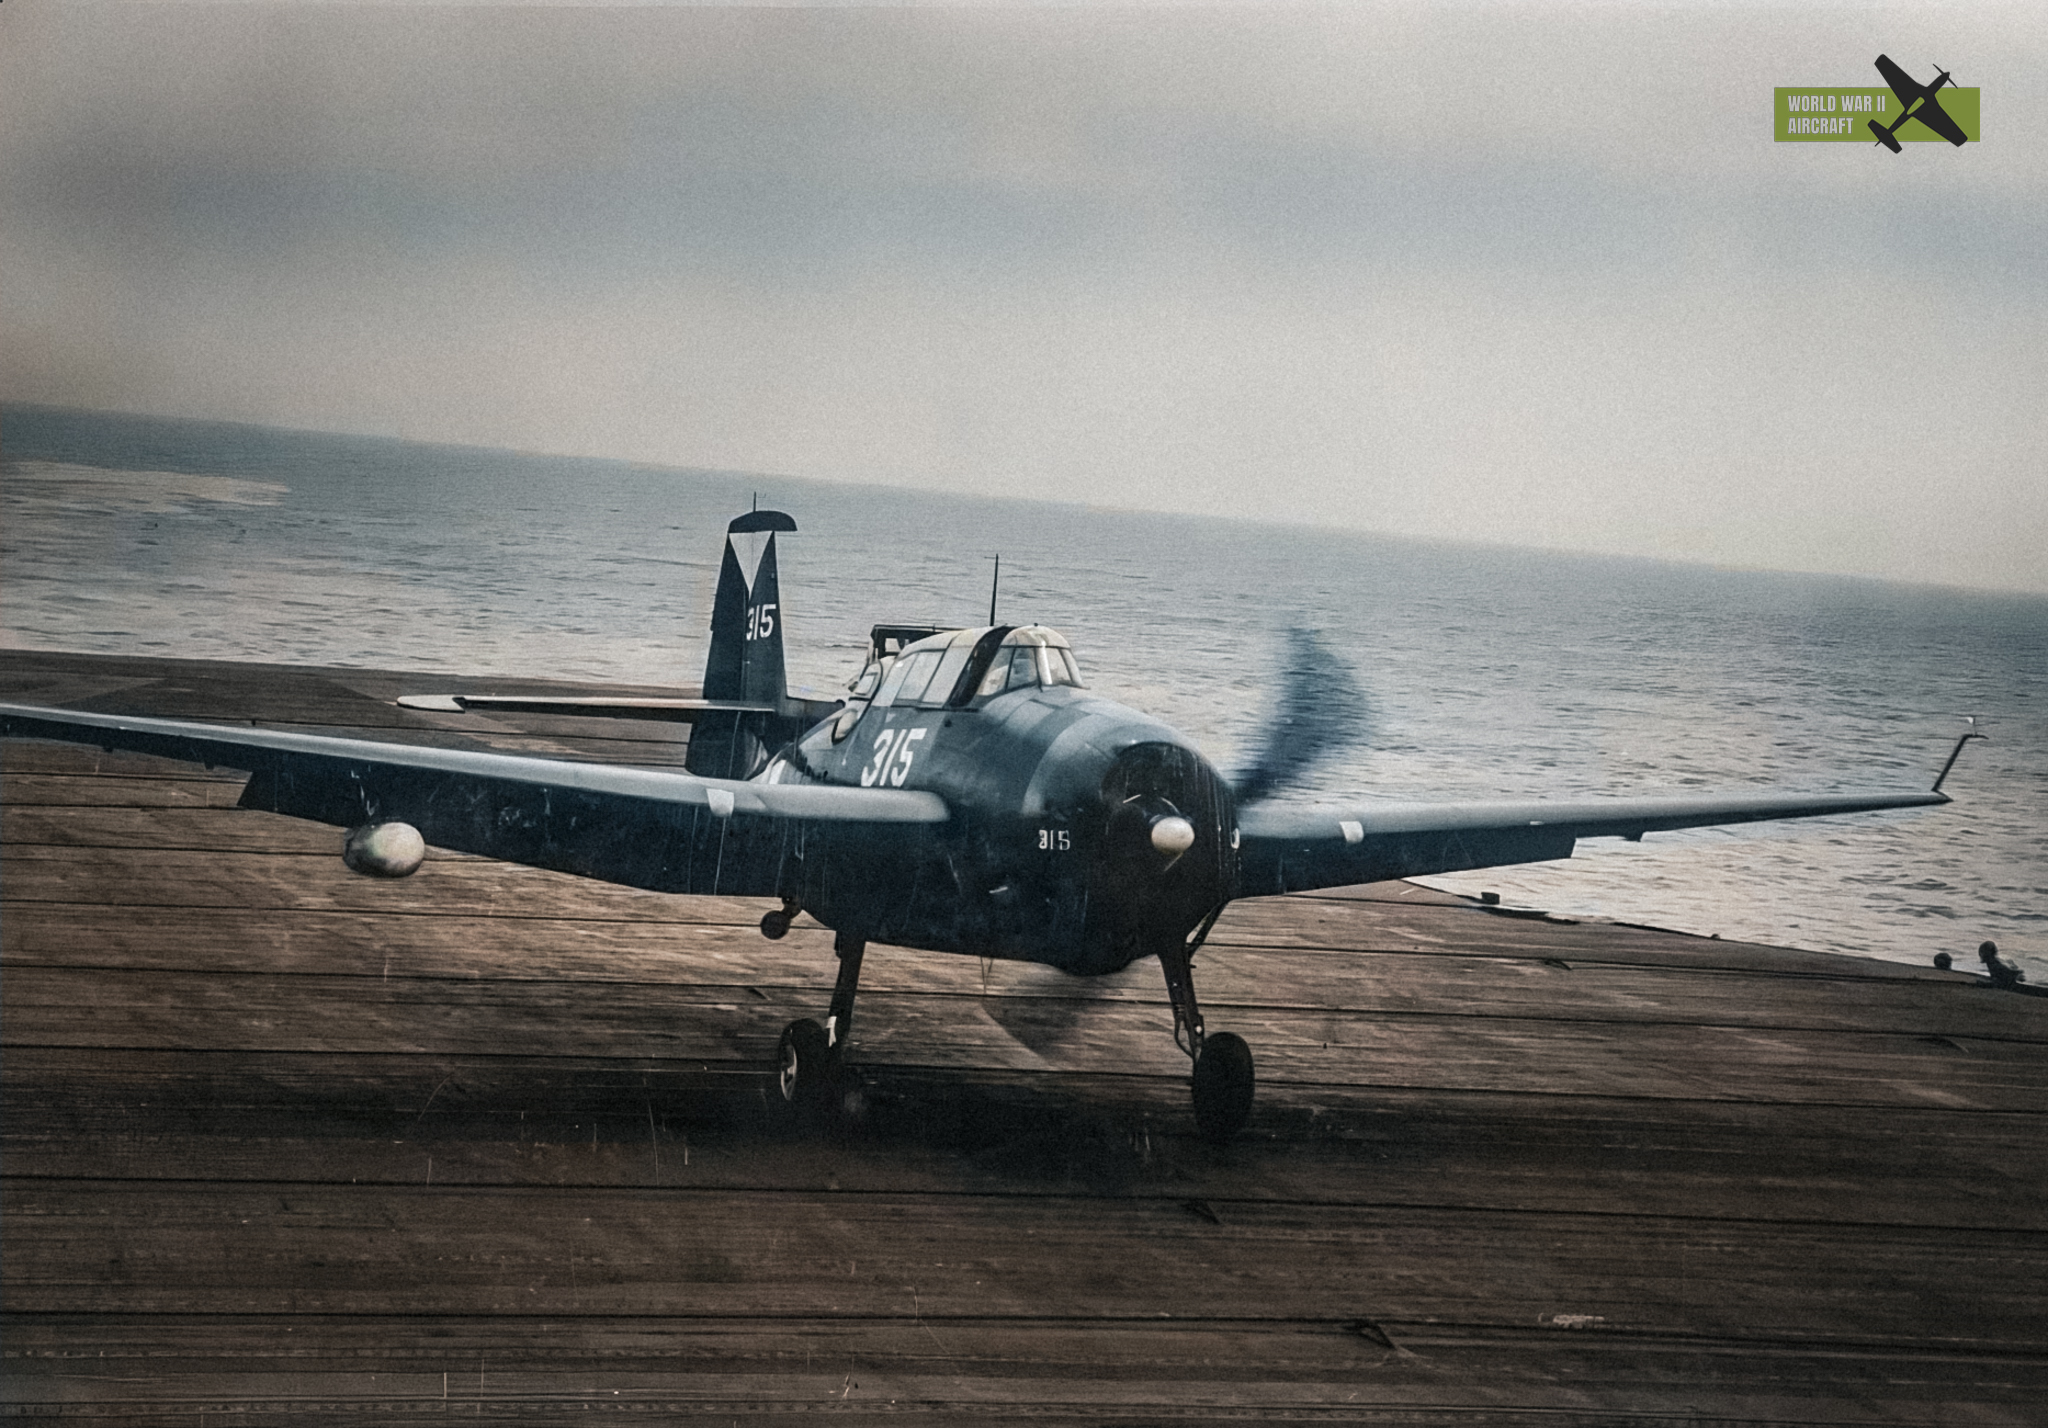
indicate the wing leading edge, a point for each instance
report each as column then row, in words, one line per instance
column 651, row 828
column 1297, row 849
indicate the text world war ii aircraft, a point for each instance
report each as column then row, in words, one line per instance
column 1916, row 101
column 970, row 795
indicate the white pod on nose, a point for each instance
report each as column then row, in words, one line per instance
column 384, row 850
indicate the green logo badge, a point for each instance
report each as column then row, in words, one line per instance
column 1907, row 111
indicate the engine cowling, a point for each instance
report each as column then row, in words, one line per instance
column 384, row 850
column 1162, row 860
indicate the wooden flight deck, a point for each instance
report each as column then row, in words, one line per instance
column 284, row 1144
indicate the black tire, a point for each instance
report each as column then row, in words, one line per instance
column 1223, row 1086
column 803, row 1063
column 774, row 926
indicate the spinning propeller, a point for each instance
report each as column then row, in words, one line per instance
column 1320, row 709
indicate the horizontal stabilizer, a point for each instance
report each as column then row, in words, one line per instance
column 672, row 710
column 679, row 710
column 1884, row 136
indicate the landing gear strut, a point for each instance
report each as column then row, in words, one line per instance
column 1223, row 1081
column 810, row 1066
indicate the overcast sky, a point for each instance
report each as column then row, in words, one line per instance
column 1530, row 273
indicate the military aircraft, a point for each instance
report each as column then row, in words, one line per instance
column 970, row 795
column 1916, row 101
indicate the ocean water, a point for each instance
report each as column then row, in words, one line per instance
column 1487, row 671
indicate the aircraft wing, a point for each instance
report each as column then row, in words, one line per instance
column 652, row 828
column 1287, row 848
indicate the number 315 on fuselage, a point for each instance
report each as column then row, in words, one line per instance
column 1081, row 832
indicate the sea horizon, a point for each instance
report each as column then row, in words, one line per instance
column 1489, row 670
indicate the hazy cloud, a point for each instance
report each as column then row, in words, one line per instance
column 1519, row 273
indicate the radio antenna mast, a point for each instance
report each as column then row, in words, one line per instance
column 994, row 581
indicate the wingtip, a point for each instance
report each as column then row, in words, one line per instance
column 1953, row 755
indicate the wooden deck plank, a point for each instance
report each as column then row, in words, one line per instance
column 739, row 1022
column 539, row 1251
column 29, row 794
column 495, row 1118
column 1050, row 1372
column 1954, row 1015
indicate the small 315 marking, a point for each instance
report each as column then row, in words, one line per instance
column 761, row 621
column 1054, row 840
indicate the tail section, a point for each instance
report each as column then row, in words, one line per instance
column 746, row 617
column 745, row 663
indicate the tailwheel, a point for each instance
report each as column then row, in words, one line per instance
column 804, row 1062
column 775, row 925
column 1223, row 1085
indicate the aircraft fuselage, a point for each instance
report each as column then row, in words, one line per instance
column 1049, row 855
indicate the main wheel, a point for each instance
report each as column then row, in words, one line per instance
column 1223, row 1086
column 774, row 926
column 803, row 1062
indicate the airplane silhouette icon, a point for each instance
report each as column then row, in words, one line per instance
column 1919, row 102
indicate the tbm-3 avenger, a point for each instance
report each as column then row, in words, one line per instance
column 969, row 795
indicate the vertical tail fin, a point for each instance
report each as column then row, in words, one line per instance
column 745, row 662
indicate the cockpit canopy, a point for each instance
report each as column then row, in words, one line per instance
column 958, row 666
column 1028, row 655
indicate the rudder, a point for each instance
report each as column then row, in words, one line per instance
column 745, row 662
